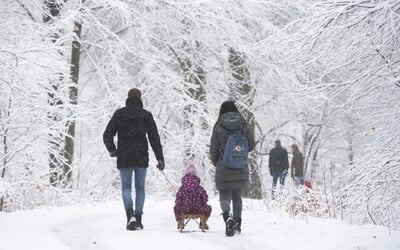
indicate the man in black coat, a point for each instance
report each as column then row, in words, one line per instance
column 134, row 125
column 278, row 165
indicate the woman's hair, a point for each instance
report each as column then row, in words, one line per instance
column 226, row 107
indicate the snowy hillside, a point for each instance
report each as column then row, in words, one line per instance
column 101, row 226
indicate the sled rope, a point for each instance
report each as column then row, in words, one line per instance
column 169, row 183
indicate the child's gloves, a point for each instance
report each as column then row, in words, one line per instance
column 161, row 165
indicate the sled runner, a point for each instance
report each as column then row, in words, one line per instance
column 200, row 219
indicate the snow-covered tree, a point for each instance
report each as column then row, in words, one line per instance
column 346, row 58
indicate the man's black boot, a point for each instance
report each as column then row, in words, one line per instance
column 139, row 225
column 131, row 220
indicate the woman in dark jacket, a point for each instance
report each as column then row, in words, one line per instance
column 229, row 182
column 297, row 169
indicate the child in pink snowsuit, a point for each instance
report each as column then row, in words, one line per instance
column 191, row 197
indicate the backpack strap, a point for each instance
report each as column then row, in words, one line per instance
column 243, row 129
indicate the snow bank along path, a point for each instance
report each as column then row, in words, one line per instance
column 101, row 226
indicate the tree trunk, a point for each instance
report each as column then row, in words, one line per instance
column 55, row 105
column 3, row 168
column 242, row 92
column 349, row 137
column 5, row 149
column 311, row 144
column 73, row 99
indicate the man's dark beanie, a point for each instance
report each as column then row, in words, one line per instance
column 135, row 93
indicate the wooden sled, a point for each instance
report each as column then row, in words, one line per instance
column 200, row 219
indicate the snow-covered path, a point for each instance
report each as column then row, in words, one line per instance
column 101, row 227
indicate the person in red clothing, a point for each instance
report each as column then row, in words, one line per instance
column 307, row 184
column 191, row 197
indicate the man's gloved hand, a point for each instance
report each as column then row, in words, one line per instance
column 161, row 165
column 114, row 154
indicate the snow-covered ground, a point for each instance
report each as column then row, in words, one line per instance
column 101, row 226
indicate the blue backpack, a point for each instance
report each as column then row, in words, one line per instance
column 236, row 151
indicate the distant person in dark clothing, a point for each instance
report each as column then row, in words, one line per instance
column 134, row 125
column 297, row 167
column 278, row 165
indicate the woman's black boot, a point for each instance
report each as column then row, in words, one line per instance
column 237, row 226
column 229, row 232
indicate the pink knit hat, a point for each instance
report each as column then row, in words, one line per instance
column 190, row 169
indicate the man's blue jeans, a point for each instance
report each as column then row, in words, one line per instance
column 277, row 175
column 126, row 185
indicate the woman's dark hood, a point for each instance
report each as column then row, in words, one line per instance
column 232, row 121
